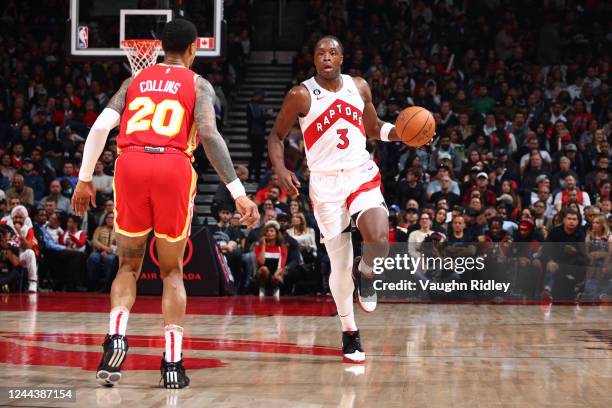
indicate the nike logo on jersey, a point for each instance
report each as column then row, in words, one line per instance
column 320, row 97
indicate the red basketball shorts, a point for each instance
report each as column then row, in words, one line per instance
column 154, row 192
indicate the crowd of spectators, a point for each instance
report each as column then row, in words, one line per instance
column 520, row 94
column 48, row 102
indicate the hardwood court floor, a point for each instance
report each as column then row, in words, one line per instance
column 243, row 352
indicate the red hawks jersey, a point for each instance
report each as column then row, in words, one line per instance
column 334, row 134
column 159, row 109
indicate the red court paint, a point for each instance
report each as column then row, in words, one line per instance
column 13, row 353
column 189, row 343
column 237, row 305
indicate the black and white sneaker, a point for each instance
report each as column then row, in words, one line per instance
column 364, row 294
column 173, row 374
column 351, row 347
column 115, row 351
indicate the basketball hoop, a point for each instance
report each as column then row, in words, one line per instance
column 141, row 53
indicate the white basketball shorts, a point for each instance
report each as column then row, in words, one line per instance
column 337, row 196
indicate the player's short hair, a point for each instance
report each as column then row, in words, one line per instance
column 333, row 38
column 178, row 35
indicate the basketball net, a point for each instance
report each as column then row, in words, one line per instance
column 141, row 53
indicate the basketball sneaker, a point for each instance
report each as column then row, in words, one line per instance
column 173, row 374
column 351, row 347
column 115, row 351
column 364, row 294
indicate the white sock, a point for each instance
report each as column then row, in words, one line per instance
column 174, row 341
column 118, row 321
column 365, row 268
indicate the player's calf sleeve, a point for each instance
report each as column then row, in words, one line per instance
column 340, row 252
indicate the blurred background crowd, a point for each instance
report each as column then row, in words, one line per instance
column 520, row 94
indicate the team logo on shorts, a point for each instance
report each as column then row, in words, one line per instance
column 317, row 92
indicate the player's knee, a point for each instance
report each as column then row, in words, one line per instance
column 340, row 252
column 129, row 268
column 172, row 278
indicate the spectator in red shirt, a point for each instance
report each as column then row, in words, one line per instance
column 262, row 194
column 271, row 257
column 90, row 115
column 73, row 238
column 17, row 157
column 486, row 194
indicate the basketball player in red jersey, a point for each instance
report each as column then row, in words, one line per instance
column 161, row 111
column 336, row 113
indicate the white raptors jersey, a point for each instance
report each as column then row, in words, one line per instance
column 333, row 129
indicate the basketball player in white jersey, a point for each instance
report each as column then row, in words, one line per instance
column 336, row 115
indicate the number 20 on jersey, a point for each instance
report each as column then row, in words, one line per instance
column 167, row 116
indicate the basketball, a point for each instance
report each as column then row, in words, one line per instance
column 415, row 126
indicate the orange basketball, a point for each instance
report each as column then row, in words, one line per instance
column 415, row 126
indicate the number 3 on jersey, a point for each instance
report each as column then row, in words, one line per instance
column 144, row 107
column 344, row 142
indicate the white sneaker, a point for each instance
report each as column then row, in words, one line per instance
column 276, row 293
column 262, row 292
column 32, row 286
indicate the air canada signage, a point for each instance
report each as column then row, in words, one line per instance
column 201, row 270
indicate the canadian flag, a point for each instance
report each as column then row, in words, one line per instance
column 207, row 43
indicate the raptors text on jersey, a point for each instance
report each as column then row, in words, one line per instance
column 159, row 108
column 333, row 129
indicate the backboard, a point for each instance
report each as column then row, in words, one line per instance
column 98, row 26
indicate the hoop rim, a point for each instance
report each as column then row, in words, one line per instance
column 135, row 42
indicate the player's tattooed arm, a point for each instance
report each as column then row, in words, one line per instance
column 117, row 102
column 372, row 123
column 206, row 122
